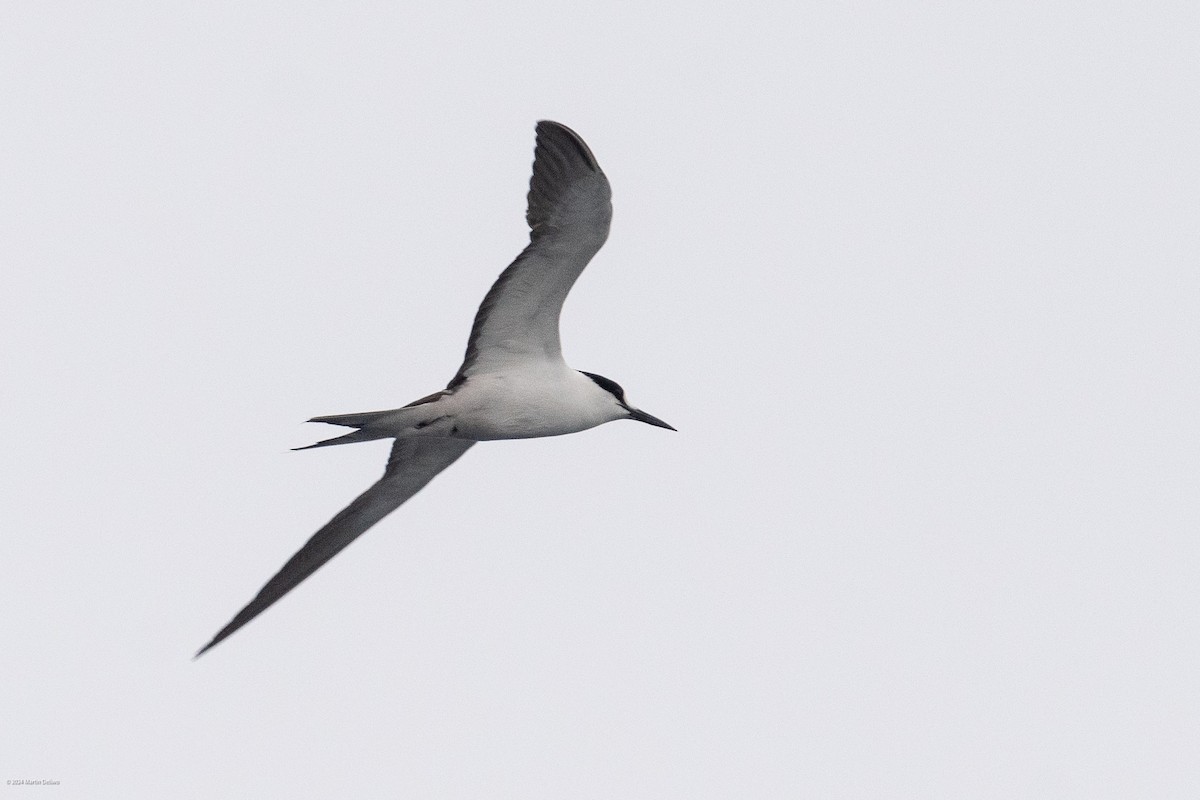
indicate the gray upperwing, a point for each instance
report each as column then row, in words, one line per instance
column 570, row 208
column 412, row 464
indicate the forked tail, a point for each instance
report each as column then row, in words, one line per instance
column 362, row 421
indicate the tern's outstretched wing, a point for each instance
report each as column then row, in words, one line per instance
column 413, row 463
column 569, row 212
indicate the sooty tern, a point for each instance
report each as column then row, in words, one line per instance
column 513, row 383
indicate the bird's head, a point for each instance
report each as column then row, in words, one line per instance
column 618, row 394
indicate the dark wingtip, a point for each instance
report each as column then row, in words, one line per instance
column 230, row 629
column 549, row 129
column 561, row 160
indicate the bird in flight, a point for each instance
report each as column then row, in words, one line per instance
column 513, row 382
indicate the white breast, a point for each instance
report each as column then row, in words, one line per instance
column 544, row 400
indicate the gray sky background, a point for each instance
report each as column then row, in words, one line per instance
column 918, row 283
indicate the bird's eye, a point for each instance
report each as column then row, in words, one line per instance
column 610, row 386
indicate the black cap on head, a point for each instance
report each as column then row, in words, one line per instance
column 610, row 386
column 614, row 388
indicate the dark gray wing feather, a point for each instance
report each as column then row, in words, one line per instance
column 412, row 464
column 569, row 211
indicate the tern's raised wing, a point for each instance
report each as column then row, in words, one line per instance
column 413, row 463
column 569, row 212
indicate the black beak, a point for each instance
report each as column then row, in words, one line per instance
column 642, row 416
